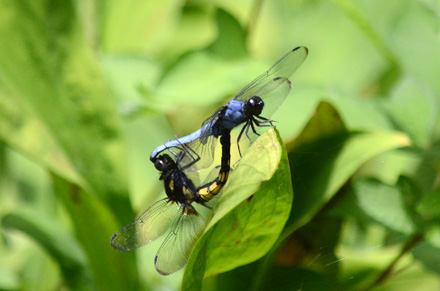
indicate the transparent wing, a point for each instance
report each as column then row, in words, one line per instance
column 194, row 177
column 149, row 226
column 273, row 95
column 208, row 124
column 204, row 147
column 174, row 252
column 212, row 175
column 284, row 68
column 197, row 155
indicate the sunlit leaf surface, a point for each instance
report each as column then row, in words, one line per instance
column 249, row 216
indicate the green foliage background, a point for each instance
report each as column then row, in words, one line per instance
column 89, row 88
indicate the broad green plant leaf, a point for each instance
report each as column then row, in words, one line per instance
column 202, row 77
column 142, row 22
column 9, row 280
column 297, row 279
column 29, row 136
column 430, row 205
column 165, row 29
column 322, row 159
column 181, row 38
column 250, row 215
column 371, row 200
column 325, row 156
column 414, row 109
column 50, row 83
column 231, row 39
column 21, row 129
column 428, row 251
column 63, row 248
column 94, row 225
column 48, row 67
column 131, row 78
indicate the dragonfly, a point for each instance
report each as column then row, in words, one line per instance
column 252, row 107
column 175, row 211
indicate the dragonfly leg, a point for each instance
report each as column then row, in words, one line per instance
column 171, row 151
column 184, row 149
column 261, row 121
column 253, row 129
column 250, row 125
column 239, row 136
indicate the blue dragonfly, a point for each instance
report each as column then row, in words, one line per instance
column 259, row 98
column 175, row 211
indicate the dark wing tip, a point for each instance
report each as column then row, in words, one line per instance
column 113, row 237
column 113, row 245
column 301, row 47
column 112, row 240
column 284, row 79
column 159, row 271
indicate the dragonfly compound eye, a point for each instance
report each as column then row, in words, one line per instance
column 255, row 105
column 161, row 164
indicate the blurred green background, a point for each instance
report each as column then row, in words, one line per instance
column 89, row 88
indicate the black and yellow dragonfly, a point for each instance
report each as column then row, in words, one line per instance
column 176, row 210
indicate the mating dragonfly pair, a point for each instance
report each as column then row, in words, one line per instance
column 250, row 108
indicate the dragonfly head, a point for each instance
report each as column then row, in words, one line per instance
column 163, row 163
column 255, row 105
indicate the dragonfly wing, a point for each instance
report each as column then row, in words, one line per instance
column 194, row 177
column 174, row 252
column 207, row 125
column 273, row 94
column 284, row 68
column 149, row 226
column 212, row 175
column 197, row 155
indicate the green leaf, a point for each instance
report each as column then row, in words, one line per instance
column 430, row 205
column 8, row 279
column 51, row 83
column 231, row 40
column 414, row 109
column 296, row 279
column 45, row 71
column 22, row 130
column 194, row 17
column 142, row 22
column 129, row 77
column 325, row 156
column 391, row 165
column 202, row 78
column 413, row 277
column 94, row 225
column 363, row 263
column 165, row 29
column 428, row 254
column 357, row 113
column 250, row 215
column 60, row 245
column 372, row 200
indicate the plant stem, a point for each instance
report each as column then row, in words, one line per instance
column 390, row 270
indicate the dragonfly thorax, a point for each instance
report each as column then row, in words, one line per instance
column 255, row 105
